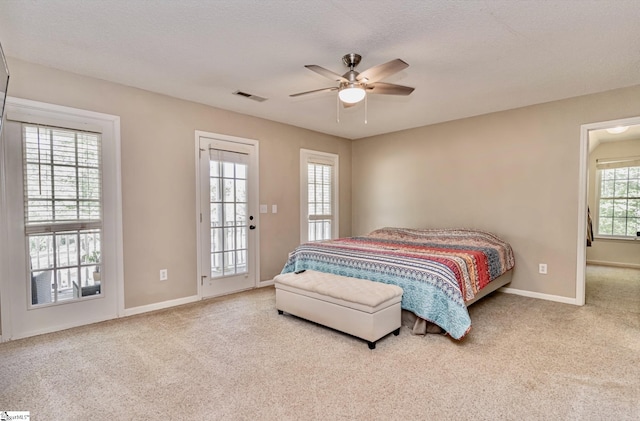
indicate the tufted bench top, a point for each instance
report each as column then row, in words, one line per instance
column 354, row 290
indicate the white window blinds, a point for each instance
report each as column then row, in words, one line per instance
column 62, row 179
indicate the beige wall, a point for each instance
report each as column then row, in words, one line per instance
column 617, row 252
column 514, row 173
column 158, row 175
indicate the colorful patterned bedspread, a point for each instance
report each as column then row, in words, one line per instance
column 438, row 270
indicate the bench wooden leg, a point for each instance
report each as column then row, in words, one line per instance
column 280, row 312
column 396, row 332
column 372, row 345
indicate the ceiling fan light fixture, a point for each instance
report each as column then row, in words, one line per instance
column 351, row 93
column 617, row 130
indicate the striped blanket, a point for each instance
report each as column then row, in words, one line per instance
column 438, row 270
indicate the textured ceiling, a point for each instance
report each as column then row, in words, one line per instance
column 466, row 57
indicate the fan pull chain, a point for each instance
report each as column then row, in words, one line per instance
column 365, row 109
column 337, row 109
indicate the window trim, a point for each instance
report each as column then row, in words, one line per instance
column 37, row 112
column 306, row 156
column 598, row 195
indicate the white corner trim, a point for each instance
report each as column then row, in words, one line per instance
column 160, row 306
column 539, row 295
column 265, row 283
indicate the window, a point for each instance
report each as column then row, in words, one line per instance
column 62, row 212
column 228, row 209
column 618, row 197
column 318, row 196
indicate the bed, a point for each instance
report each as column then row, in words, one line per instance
column 441, row 271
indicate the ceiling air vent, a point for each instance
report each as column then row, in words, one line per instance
column 250, row 96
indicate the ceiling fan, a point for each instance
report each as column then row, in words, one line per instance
column 354, row 86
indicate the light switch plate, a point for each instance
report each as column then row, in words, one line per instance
column 263, row 208
column 274, row 208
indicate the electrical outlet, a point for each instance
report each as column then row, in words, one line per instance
column 542, row 268
column 164, row 274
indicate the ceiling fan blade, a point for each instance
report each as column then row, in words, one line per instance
column 315, row 91
column 326, row 73
column 389, row 89
column 381, row 71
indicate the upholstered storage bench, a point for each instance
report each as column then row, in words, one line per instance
column 362, row 308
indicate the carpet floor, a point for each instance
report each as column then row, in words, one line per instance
column 235, row 358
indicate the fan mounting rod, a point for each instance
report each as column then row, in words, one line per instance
column 351, row 60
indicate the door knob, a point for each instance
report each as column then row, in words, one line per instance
column 252, row 227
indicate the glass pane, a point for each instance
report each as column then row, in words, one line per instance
column 228, row 169
column 229, row 262
column 65, row 182
column 64, row 147
column 67, row 249
column 241, row 171
column 214, row 168
column 241, row 261
column 241, row 238
column 241, row 190
column 311, row 173
column 65, row 210
column 41, row 251
column 632, row 226
column 619, row 226
column 607, row 174
column 634, row 188
column 621, row 173
column 241, row 214
column 607, row 188
column 620, row 189
column 216, row 265
column 229, row 190
column 90, row 210
column 215, row 191
column 633, row 208
column 229, row 214
column 312, row 232
column 229, row 239
column 327, row 230
column 68, row 281
column 216, row 239
column 634, row 172
column 39, row 210
column 605, row 226
column 620, row 208
column 90, row 285
column 606, row 207
column 38, row 181
column 41, row 287
column 216, row 215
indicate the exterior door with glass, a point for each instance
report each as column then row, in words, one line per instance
column 228, row 170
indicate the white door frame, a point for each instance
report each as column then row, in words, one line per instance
column 583, row 186
column 254, row 187
column 52, row 114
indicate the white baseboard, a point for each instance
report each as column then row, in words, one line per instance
column 160, row 306
column 539, row 295
column 614, row 264
column 63, row 326
column 265, row 283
